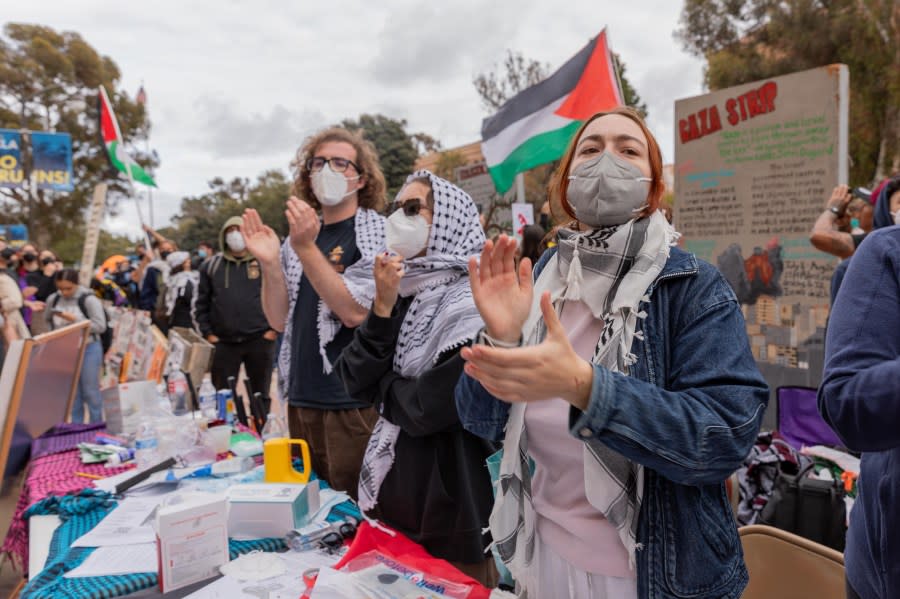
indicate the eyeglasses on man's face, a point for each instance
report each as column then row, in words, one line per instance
column 338, row 165
column 410, row 207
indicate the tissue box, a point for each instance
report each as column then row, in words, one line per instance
column 263, row 510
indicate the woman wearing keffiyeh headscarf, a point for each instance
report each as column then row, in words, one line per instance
column 422, row 473
column 623, row 385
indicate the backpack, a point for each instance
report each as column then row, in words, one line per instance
column 106, row 336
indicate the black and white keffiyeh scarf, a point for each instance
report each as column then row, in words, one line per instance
column 442, row 316
column 369, row 231
column 609, row 270
column 178, row 286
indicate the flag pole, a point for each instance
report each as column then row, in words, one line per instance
column 613, row 59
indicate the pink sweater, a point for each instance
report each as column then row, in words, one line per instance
column 566, row 521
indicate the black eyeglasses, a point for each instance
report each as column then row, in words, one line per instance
column 335, row 540
column 338, row 165
column 410, row 207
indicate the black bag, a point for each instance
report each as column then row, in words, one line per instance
column 811, row 508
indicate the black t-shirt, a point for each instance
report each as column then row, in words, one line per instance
column 310, row 387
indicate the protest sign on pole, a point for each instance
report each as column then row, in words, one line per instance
column 754, row 166
column 12, row 173
column 51, row 157
column 92, row 236
column 522, row 215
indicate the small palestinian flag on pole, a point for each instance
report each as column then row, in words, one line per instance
column 535, row 126
column 115, row 150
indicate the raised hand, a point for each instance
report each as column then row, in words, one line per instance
column 388, row 271
column 503, row 295
column 262, row 242
column 304, row 224
column 840, row 197
column 544, row 371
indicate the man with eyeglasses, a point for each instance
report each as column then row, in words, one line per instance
column 318, row 288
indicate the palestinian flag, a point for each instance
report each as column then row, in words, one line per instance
column 115, row 150
column 535, row 126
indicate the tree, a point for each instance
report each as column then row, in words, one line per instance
column 202, row 217
column 396, row 149
column 447, row 163
column 747, row 40
column 70, row 248
column 48, row 81
column 629, row 94
column 517, row 73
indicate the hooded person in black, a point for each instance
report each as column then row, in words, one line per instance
column 229, row 312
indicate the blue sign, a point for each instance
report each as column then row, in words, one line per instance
column 52, row 161
column 15, row 235
column 11, row 174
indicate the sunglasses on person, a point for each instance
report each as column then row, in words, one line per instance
column 338, row 165
column 410, row 207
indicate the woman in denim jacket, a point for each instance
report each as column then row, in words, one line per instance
column 624, row 382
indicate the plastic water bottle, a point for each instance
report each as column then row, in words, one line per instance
column 208, row 406
column 274, row 428
column 146, row 444
column 178, row 392
column 855, row 229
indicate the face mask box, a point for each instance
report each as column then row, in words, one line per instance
column 192, row 540
column 263, row 510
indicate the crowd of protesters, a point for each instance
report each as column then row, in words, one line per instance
column 412, row 348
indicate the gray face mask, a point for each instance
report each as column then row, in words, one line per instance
column 607, row 191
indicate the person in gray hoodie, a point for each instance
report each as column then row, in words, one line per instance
column 66, row 307
column 229, row 312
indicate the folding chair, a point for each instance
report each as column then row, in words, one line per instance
column 785, row 566
column 799, row 421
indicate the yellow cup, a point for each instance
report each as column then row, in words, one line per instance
column 277, row 461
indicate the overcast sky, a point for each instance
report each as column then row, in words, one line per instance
column 234, row 86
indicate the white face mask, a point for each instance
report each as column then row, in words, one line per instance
column 897, row 217
column 235, row 241
column 330, row 187
column 405, row 235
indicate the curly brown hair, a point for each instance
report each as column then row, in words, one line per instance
column 371, row 195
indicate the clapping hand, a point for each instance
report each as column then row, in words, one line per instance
column 544, row 371
column 261, row 240
column 502, row 293
column 304, row 224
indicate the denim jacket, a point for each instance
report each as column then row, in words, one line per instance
column 689, row 412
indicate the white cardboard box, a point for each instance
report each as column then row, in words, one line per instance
column 263, row 510
column 192, row 540
column 122, row 405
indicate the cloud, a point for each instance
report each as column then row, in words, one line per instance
column 438, row 43
column 225, row 131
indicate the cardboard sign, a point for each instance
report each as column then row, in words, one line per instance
column 754, row 166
